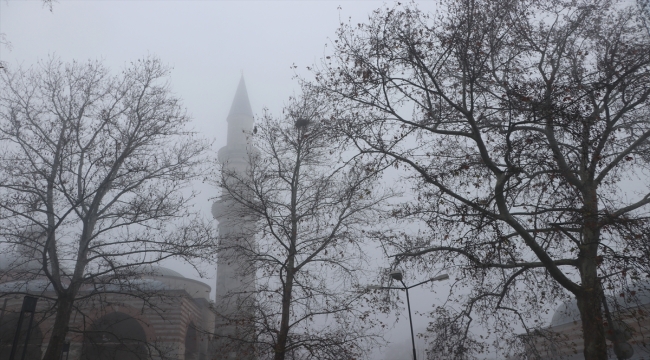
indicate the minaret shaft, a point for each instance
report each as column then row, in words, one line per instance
column 235, row 276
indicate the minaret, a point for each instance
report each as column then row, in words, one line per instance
column 235, row 275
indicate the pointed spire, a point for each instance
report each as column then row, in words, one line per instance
column 240, row 122
column 240, row 104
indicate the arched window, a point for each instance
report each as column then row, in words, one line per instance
column 191, row 343
column 115, row 336
column 8, row 330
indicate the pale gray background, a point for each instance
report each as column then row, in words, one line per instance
column 209, row 44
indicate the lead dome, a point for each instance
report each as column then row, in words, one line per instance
column 638, row 295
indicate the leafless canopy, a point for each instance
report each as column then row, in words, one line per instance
column 312, row 207
column 523, row 127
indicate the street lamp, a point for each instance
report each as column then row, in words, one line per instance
column 397, row 275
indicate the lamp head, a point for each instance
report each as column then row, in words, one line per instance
column 396, row 275
column 373, row 287
column 440, row 277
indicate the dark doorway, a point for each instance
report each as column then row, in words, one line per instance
column 191, row 343
column 115, row 336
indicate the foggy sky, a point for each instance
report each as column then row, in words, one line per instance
column 209, row 44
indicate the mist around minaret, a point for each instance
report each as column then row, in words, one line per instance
column 235, row 285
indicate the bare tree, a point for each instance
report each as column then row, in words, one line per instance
column 94, row 177
column 644, row 13
column 523, row 127
column 311, row 207
column 449, row 340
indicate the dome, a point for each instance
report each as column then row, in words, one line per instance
column 158, row 271
column 173, row 280
column 566, row 313
column 136, row 284
column 163, row 271
column 641, row 294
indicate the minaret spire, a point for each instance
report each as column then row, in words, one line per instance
column 240, row 124
column 240, row 104
column 235, row 278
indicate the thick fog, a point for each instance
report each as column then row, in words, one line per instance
column 209, row 44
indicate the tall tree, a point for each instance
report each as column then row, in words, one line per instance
column 94, row 177
column 311, row 207
column 523, row 127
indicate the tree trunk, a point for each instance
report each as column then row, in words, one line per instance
column 280, row 347
column 60, row 329
column 590, row 296
column 592, row 324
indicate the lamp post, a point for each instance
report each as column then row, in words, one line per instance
column 397, row 275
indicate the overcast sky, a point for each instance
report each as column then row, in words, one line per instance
column 209, row 44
